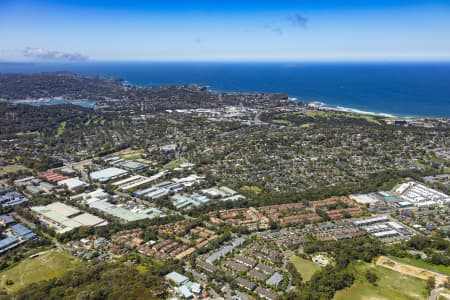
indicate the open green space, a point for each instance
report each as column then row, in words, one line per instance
column 12, row 169
column 172, row 165
column 390, row 285
column 342, row 115
column 61, row 128
column 328, row 115
column 132, row 154
column 49, row 264
column 305, row 267
column 417, row 262
column 281, row 122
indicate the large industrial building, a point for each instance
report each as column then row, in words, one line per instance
column 419, row 195
column 124, row 213
column 108, row 174
column 72, row 184
column 64, row 218
column 11, row 198
column 14, row 234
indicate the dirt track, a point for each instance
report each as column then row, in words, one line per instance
column 410, row 270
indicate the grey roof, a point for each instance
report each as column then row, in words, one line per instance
column 177, row 277
column 245, row 283
column 265, row 268
column 238, row 242
column 266, row 293
column 107, row 174
column 275, row 279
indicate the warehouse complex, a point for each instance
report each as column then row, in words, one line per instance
column 64, row 218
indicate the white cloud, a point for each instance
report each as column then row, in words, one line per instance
column 45, row 54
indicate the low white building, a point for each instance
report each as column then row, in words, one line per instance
column 72, row 184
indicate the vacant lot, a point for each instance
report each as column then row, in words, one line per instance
column 410, row 270
column 132, row 154
column 48, row 265
column 305, row 267
column 423, row 264
column 12, row 169
column 390, row 285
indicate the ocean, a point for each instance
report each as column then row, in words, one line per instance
column 399, row 89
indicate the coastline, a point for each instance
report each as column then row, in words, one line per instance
column 386, row 89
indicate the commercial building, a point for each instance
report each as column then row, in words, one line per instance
column 22, row 231
column 8, row 243
column 6, row 220
column 126, row 164
column 12, row 198
column 14, row 234
column 127, row 212
column 64, row 218
column 72, row 184
column 108, row 174
column 176, row 278
column 132, row 182
column 420, row 195
column 384, row 228
column 52, row 176
column 98, row 194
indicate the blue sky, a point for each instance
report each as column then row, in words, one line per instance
column 227, row 31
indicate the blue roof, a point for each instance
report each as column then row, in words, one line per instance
column 12, row 198
column 30, row 236
column 10, row 240
column 7, row 219
column 20, row 229
column 3, row 191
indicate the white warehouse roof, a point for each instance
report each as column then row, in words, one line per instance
column 108, row 174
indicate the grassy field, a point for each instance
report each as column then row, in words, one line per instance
column 390, row 285
column 423, row 264
column 342, row 115
column 281, row 122
column 325, row 116
column 142, row 269
column 51, row 264
column 132, row 154
column 12, row 169
column 305, row 267
column 61, row 128
column 172, row 165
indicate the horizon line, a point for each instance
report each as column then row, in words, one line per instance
column 378, row 61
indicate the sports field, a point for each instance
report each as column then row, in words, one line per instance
column 48, row 265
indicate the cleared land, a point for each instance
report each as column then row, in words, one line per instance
column 390, row 285
column 132, row 154
column 423, row 264
column 305, row 267
column 410, row 270
column 12, row 169
column 48, row 265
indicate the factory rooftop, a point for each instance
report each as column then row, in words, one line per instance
column 108, row 174
column 72, row 183
column 123, row 213
column 65, row 218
